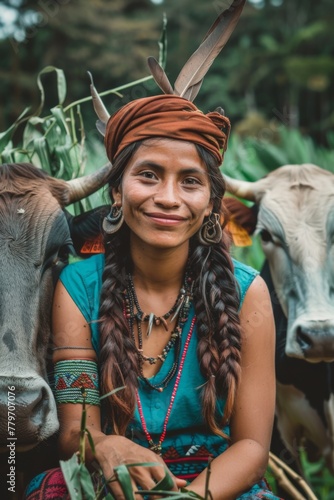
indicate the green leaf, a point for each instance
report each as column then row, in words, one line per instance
column 163, row 43
column 166, row 483
column 31, row 132
column 124, row 480
column 41, row 150
column 60, row 117
column 5, row 137
column 86, row 483
column 90, row 440
column 66, row 168
column 71, row 472
column 270, row 155
column 7, row 156
column 52, row 134
column 183, row 494
column 61, row 86
column 112, row 392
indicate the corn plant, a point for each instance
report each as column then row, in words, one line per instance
column 56, row 141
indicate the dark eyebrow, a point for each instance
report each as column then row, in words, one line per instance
column 187, row 171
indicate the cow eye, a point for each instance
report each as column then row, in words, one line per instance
column 58, row 258
column 265, row 236
column 62, row 256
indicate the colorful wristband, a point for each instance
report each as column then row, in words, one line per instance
column 71, row 376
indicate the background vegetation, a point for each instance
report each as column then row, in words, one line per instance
column 279, row 60
column 275, row 79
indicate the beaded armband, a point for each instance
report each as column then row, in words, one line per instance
column 71, row 376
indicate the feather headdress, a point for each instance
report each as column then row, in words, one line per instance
column 191, row 76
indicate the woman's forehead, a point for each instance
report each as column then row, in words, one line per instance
column 168, row 152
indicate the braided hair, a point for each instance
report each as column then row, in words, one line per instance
column 216, row 302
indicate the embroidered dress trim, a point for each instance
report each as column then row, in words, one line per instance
column 71, row 376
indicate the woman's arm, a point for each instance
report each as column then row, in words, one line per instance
column 244, row 462
column 70, row 329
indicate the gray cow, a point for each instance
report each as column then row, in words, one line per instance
column 34, row 238
column 295, row 219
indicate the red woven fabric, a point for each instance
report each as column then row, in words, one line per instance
column 49, row 485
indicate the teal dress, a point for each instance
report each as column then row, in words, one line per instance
column 188, row 444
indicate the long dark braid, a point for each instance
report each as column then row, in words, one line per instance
column 216, row 305
column 118, row 358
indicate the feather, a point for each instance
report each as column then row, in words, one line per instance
column 192, row 92
column 159, row 76
column 99, row 107
column 191, row 76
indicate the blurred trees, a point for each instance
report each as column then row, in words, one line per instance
column 111, row 39
column 279, row 60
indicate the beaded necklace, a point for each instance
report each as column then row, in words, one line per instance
column 180, row 309
column 152, row 318
column 157, row 447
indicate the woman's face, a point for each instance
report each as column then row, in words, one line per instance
column 165, row 193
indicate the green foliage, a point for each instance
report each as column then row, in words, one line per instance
column 79, row 481
column 77, row 478
column 57, row 142
column 319, row 477
column 279, row 59
column 250, row 158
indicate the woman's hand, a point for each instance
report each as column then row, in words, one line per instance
column 111, row 451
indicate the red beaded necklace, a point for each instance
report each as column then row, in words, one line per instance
column 157, row 447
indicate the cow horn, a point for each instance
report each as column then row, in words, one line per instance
column 242, row 189
column 84, row 186
column 99, row 107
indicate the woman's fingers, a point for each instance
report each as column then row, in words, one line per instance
column 116, row 450
column 144, row 478
column 180, row 483
column 148, row 477
column 118, row 493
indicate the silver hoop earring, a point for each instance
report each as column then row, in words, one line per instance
column 113, row 221
column 211, row 231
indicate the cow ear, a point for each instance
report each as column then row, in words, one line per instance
column 86, row 230
column 240, row 214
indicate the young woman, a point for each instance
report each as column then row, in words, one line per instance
column 167, row 315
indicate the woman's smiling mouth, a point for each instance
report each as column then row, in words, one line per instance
column 165, row 219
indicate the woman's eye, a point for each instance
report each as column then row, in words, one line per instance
column 148, row 175
column 191, row 181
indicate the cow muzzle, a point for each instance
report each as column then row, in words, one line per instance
column 312, row 340
column 27, row 412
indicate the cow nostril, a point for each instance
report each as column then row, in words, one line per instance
column 40, row 407
column 303, row 339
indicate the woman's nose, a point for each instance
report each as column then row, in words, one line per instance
column 167, row 195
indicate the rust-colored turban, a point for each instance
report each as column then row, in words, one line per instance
column 167, row 116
